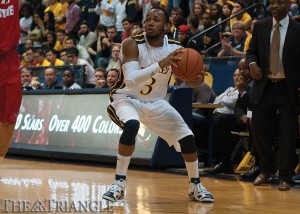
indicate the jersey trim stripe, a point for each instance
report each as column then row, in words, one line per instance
column 113, row 116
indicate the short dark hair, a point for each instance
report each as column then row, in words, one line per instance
column 71, row 38
column 73, row 50
column 163, row 10
column 85, row 23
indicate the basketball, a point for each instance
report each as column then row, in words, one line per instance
column 190, row 66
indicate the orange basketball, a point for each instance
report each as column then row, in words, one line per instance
column 190, row 66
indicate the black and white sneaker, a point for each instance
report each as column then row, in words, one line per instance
column 116, row 191
column 197, row 192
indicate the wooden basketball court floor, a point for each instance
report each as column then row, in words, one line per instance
column 47, row 186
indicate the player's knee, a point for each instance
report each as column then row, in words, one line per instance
column 130, row 131
column 187, row 145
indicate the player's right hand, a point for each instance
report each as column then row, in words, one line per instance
column 171, row 59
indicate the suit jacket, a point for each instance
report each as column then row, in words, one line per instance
column 259, row 52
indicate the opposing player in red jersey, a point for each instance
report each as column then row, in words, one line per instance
column 10, row 76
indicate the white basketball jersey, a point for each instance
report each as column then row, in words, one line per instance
column 155, row 88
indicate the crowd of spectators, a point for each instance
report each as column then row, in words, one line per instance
column 96, row 28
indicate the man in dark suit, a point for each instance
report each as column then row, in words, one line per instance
column 275, row 91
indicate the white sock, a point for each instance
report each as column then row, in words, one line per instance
column 122, row 164
column 192, row 169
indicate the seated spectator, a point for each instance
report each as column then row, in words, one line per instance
column 50, row 41
column 28, row 44
column 27, row 81
column 97, row 46
column 226, row 13
column 64, row 57
column 87, row 37
column 48, row 23
column 51, row 57
column 60, row 40
column 115, row 61
column 38, row 55
column 112, row 77
column 103, row 48
column 238, row 6
column 68, row 80
column 184, row 37
column 83, row 54
column 209, row 38
column 35, row 32
column 234, row 46
column 89, row 78
column 225, row 122
column 51, row 79
column 100, row 76
column 28, row 60
column 127, row 28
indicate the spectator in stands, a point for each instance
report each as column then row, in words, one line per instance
column 106, row 10
column 27, row 81
column 198, row 10
column 60, row 40
column 88, row 13
column 137, row 28
column 234, row 46
column 112, row 77
column 64, row 57
column 104, row 46
column 177, row 20
column 25, row 23
column 28, row 44
column 115, row 61
column 38, row 6
column 72, row 19
column 39, row 57
column 101, row 32
column 100, row 77
column 238, row 6
column 50, row 41
column 184, row 37
column 225, row 122
column 127, row 28
column 89, row 78
column 28, row 60
column 35, row 32
column 226, row 13
column 48, row 24
column 59, row 14
column 113, row 36
column 209, row 38
column 51, row 78
column 216, row 13
column 83, row 54
column 120, row 15
column 69, row 81
column 87, row 37
column 51, row 56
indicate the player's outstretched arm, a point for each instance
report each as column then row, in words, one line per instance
column 130, row 64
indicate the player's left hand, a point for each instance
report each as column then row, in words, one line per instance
column 196, row 82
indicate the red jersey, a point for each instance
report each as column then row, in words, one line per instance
column 9, row 25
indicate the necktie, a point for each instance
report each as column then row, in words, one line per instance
column 274, row 52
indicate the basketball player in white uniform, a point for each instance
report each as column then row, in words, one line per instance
column 138, row 97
